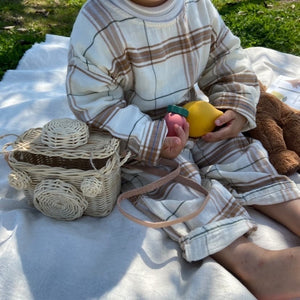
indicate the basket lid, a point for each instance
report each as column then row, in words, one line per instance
column 100, row 145
column 65, row 133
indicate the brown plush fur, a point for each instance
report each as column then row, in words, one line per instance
column 278, row 129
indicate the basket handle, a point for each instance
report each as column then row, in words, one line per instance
column 166, row 178
column 8, row 134
column 4, row 150
column 125, row 158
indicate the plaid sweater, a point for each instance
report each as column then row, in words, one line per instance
column 126, row 65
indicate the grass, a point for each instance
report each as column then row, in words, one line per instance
column 24, row 22
column 274, row 24
column 271, row 24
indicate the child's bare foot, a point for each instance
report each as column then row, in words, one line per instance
column 267, row 274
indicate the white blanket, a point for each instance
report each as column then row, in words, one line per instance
column 101, row 258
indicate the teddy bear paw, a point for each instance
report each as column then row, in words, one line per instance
column 285, row 162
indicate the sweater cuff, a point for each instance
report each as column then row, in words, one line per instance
column 154, row 136
column 244, row 108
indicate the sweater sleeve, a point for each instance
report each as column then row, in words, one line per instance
column 228, row 79
column 96, row 97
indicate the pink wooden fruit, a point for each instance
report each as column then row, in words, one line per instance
column 172, row 119
column 175, row 115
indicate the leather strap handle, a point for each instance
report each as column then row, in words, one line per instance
column 166, row 178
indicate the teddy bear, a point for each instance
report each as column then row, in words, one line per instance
column 278, row 129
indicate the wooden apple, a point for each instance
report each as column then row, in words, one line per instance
column 172, row 119
column 175, row 115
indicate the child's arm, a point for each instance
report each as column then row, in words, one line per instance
column 228, row 79
column 96, row 98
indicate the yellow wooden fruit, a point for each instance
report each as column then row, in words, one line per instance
column 202, row 116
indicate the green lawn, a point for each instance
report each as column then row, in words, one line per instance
column 271, row 24
column 24, row 22
column 274, row 24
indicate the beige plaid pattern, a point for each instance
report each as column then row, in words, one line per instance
column 122, row 70
column 236, row 173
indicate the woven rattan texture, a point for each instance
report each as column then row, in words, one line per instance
column 65, row 133
column 58, row 199
column 100, row 145
column 65, row 183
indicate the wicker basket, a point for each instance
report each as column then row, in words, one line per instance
column 67, row 173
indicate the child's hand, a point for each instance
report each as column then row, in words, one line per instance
column 232, row 123
column 173, row 145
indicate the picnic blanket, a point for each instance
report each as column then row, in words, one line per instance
column 110, row 257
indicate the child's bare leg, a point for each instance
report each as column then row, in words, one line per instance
column 287, row 213
column 267, row 274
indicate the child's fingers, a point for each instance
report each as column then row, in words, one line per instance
column 171, row 148
column 225, row 118
column 182, row 132
column 186, row 128
column 173, row 145
column 234, row 123
column 179, row 131
column 218, row 135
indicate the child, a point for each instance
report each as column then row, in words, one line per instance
column 128, row 61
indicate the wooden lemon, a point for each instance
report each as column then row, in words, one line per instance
column 202, row 116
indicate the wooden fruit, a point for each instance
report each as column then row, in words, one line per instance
column 171, row 120
column 201, row 117
column 175, row 115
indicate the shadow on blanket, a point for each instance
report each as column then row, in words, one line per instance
column 101, row 258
